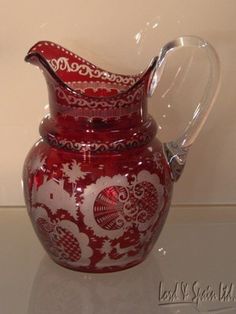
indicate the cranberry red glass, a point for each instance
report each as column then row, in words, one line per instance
column 98, row 183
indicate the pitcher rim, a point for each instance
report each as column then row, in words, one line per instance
column 32, row 55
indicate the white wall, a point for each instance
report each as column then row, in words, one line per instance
column 103, row 31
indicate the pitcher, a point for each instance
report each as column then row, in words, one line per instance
column 98, row 183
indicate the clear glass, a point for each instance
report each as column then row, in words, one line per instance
column 177, row 149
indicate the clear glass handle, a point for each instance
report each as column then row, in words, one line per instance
column 176, row 150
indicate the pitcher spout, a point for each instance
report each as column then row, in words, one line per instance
column 77, row 86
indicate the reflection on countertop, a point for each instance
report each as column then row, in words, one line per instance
column 58, row 290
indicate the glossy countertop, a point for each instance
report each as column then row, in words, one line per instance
column 190, row 270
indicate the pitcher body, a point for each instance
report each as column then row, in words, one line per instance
column 98, row 183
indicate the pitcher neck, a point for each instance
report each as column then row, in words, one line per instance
column 98, row 137
column 119, row 111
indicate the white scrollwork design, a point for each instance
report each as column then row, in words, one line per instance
column 95, row 86
column 115, row 102
column 98, row 147
column 64, row 64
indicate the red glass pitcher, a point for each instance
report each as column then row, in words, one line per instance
column 98, row 183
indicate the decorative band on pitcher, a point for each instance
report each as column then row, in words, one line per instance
column 69, row 98
column 137, row 141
